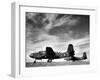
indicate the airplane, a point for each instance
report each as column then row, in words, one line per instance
column 50, row 55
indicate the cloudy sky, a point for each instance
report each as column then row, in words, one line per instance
column 57, row 31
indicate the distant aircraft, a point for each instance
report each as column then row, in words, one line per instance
column 77, row 58
column 51, row 55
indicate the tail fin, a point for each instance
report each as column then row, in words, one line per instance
column 84, row 56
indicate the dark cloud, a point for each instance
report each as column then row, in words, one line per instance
column 79, row 30
column 64, row 26
column 83, row 25
column 35, row 19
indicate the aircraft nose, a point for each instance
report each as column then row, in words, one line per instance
column 31, row 55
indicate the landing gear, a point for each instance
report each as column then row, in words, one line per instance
column 73, row 58
column 49, row 60
column 35, row 61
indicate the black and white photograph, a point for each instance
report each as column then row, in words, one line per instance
column 56, row 39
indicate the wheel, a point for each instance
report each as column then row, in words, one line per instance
column 48, row 60
column 35, row 61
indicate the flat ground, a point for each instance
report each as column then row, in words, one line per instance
column 56, row 63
